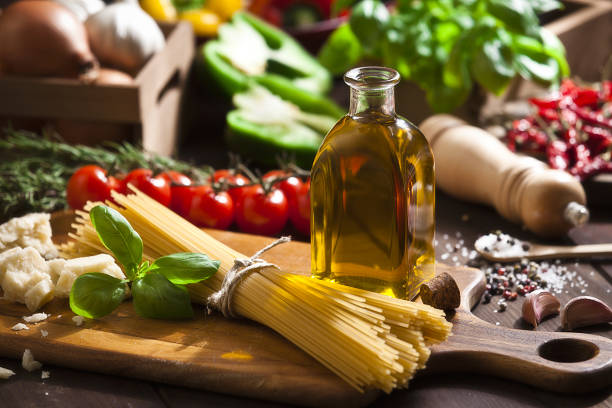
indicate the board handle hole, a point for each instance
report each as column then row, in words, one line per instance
column 568, row 350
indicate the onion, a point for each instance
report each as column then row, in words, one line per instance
column 43, row 38
column 124, row 36
column 109, row 76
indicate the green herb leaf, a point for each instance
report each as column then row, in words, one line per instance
column 339, row 5
column 118, row 236
column 492, row 66
column 341, row 51
column 555, row 49
column 156, row 297
column 517, row 15
column 368, row 22
column 537, row 67
column 94, row 295
column 185, row 267
column 544, row 6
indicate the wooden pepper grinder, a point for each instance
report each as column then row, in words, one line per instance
column 473, row 165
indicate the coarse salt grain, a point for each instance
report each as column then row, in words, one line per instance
column 45, row 374
column 500, row 245
column 44, row 333
column 78, row 320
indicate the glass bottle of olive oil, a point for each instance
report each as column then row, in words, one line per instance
column 372, row 194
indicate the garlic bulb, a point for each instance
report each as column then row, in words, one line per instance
column 82, row 8
column 124, row 36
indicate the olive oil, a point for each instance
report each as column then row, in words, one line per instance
column 372, row 194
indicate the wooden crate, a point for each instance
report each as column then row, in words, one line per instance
column 150, row 107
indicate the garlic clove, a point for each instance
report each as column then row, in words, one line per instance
column 584, row 311
column 538, row 305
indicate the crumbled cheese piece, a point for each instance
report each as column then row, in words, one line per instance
column 5, row 373
column 20, row 326
column 44, row 333
column 36, row 317
column 28, row 362
column 78, row 320
column 32, row 230
column 22, row 271
column 73, row 268
column 55, row 268
column 45, row 374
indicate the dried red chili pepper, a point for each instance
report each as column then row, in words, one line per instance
column 594, row 117
column 556, row 153
column 585, row 97
column 598, row 139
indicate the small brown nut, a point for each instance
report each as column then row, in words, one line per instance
column 584, row 311
column 539, row 304
column 441, row 292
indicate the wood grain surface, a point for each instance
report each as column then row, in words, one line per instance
column 243, row 358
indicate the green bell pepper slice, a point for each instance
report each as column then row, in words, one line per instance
column 265, row 126
column 249, row 49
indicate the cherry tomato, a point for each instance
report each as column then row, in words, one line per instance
column 88, row 183
column 156, row 187
column 210, row 209
column 180, row 194
column 258, row 212
column 299, row 213
column 175, row 177
column 232, row 178
column 289, row 186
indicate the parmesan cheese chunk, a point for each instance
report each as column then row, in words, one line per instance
column 73, row 268
column 32, row 230
column 25, row 278
column 28, row 362
column 5, row 373
column 36, row 317
column 20, row 326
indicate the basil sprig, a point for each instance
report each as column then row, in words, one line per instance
column 158, row 289
column 446, row 46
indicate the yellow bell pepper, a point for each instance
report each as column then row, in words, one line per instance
column 205, row 22
column 224, row 8
column 161, row 10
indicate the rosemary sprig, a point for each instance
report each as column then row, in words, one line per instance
column 34, row 170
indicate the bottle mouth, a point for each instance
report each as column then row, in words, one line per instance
column 372, row 78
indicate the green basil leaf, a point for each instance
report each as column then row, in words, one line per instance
column 517, row 15
column 96, row 294
column 544, row 6
column 156, row 297
column 368, row 22
column 341, row 51
column 185, row 267
column 443, row 98
column 554, row 48
column 118, row 236
column 492, row 66
column 538, row 67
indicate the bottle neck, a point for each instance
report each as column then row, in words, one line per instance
column 372, row 100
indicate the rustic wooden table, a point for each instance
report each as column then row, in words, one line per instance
column 458, row 224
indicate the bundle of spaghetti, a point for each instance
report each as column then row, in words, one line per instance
column 368, row 339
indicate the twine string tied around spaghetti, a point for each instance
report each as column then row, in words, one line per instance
column 222, row 300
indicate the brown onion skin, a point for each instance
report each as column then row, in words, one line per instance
column 43, row 38
column 109, row 76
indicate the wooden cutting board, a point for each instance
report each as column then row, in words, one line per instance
column 244, row 358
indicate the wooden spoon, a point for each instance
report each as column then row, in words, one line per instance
column 538, row 251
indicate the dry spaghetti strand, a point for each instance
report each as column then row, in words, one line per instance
column 369, row 340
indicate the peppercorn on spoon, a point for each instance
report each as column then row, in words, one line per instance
column 540, row 251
